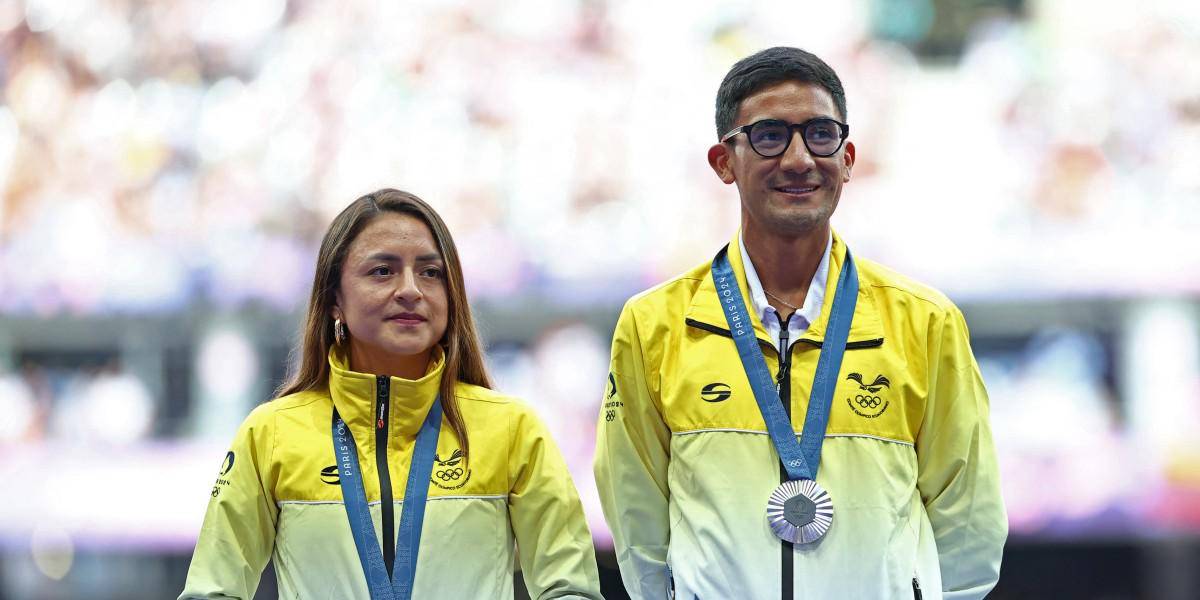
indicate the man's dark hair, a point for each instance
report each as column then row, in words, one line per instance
column 771, row 66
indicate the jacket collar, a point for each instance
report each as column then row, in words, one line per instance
column 354, row 394
column 866, row 327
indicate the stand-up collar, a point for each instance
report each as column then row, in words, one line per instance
column 706, row 307
column 808, row 312
column 354, row 394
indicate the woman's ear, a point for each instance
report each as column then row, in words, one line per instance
column 335, row 311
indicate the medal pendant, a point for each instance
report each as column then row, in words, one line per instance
column 800, row 511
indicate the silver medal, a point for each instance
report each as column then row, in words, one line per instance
column 800, row 511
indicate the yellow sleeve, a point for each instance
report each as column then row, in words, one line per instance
column 238, row 534
column 553, row 540
column 958, row 476
column 632, row 453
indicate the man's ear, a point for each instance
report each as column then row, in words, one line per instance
column 719, row 156
column 848, row 156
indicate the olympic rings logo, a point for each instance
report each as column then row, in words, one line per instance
column 867, row 401
column 448, row 474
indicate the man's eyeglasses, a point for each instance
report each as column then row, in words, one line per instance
column 771, row 137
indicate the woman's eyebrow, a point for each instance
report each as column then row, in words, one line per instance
column 389, row 257
column 384, row 256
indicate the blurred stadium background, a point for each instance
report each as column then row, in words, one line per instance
column 168, row 167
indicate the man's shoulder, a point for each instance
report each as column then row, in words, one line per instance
column 896, row 286
column 671, row 296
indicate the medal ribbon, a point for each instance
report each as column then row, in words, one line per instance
column 799, row 458
column 412, row 512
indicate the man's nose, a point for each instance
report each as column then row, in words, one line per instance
column 797, row 157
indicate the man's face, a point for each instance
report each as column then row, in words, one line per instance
column 794, row 193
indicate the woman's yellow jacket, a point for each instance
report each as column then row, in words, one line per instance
column 278, row 497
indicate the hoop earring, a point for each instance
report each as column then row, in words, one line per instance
column 339, row 332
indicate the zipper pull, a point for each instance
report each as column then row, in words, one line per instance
column 783, row 350
column 381, row 394
column 917, row 590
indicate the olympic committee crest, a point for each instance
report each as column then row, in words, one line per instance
column 867, row 401
column 450, row 474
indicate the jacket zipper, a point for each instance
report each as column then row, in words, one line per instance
column 382, row 395
column 859, row 345
column 784, row 366
column 917, row 590
column 783, row 383
column 722, row 331
column 784, row 386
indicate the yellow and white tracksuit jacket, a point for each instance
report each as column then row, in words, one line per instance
column 684, row 464
column 278, row 497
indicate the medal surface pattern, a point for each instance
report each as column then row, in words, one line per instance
column 800, row 511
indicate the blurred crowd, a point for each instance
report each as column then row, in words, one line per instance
column 158, row 155
column 167, row 157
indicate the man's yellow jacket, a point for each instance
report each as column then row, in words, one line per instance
column 684, row 464
column 278, row 497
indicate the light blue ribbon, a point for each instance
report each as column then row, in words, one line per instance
column 412, row 514
column 799, row 458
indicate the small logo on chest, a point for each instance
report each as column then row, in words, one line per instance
column 330, row 475
column 867, row 401
column 450, row 474
column 715, row 392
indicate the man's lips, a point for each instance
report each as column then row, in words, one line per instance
column 797, row 190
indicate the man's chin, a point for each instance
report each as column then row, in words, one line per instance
column 798, row 223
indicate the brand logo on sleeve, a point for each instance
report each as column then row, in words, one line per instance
column 450, row 474
column 226, row 467
column 866, row 401
column 611, row 405
column 715, row 392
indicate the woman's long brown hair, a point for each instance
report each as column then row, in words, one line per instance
column 464, row 356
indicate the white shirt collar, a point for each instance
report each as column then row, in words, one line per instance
column 809, row 311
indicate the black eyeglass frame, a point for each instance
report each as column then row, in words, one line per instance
column 791, row 127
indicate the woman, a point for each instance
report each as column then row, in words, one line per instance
column 392, row 381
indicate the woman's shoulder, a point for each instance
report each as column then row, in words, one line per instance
column 479, row 399
column 488, row 410
column 471, row 394
column 265, row 412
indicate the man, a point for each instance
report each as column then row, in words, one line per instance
column 906, row 500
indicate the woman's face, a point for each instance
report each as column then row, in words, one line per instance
column 392, row 296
